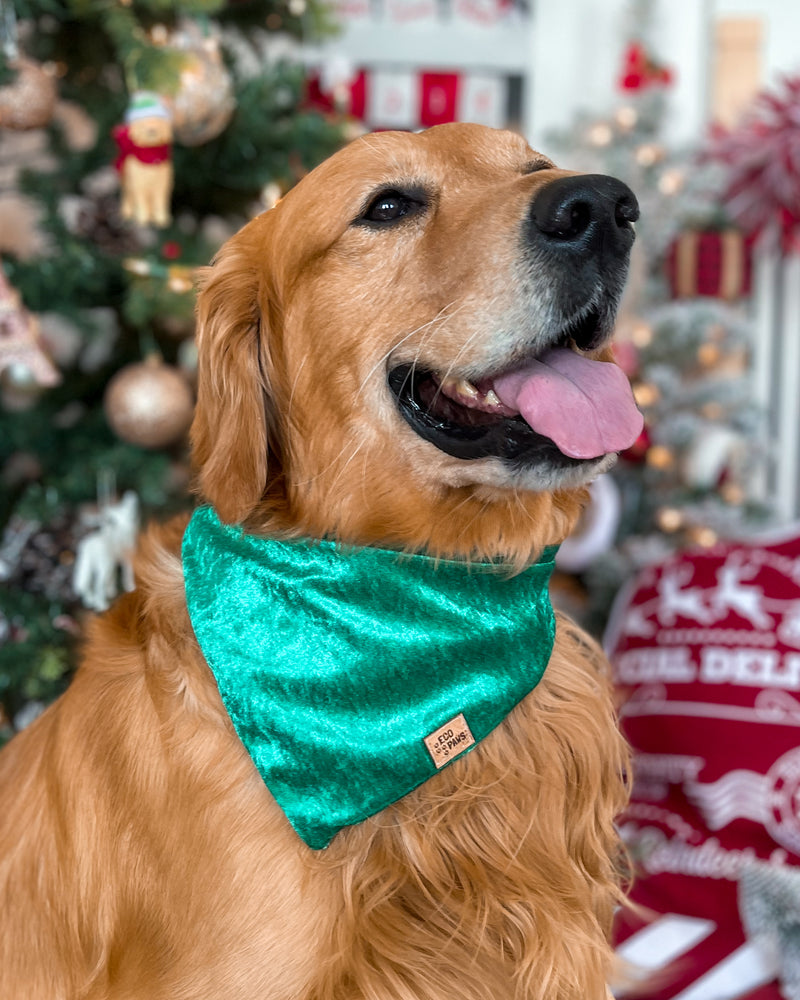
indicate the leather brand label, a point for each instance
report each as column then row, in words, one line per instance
column 451, row 739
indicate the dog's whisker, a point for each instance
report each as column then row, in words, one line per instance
column 522, row 508
column 344, row 467
column 297, row 483
column 382, row 360
column 448, row 371
column 294, row 384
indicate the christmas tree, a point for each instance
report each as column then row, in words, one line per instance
column 683, row 338
column 135, row 136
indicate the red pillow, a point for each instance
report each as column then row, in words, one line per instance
column 706, row 654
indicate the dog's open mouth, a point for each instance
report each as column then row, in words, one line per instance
column 561, row 407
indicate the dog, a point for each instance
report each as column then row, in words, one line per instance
column 367, row 350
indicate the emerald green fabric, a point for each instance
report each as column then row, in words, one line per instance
column 336, row 663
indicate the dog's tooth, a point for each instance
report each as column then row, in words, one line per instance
column 467, row 388
column 491, row 399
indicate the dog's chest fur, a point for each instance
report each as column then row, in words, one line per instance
column 202, row 888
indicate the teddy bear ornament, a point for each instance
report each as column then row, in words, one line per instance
column 144, row 160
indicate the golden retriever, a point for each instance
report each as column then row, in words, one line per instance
column 352, row 342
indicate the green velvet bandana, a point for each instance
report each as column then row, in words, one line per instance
column 352, row 675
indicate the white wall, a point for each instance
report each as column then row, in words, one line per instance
column 572, row 53
column 578, row 48
column 578, row 58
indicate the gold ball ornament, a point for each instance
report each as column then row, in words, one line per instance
column 19, row 388
column 204, row 102
column 29, row 100
column 149, row 404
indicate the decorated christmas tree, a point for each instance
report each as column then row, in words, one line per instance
column 683, row 338
column 135, row 136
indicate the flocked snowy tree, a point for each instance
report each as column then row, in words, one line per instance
column 683, row 338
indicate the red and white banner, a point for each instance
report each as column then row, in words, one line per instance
column 439, row 94
column 483, row 100
column 706, row 655
column 353, row 11
column 481, row 11
column 392, row 100
column 411, row 11
column 403, row 99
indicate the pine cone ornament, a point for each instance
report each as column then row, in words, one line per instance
column 98, row 219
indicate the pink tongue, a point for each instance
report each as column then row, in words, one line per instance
column 586, row 407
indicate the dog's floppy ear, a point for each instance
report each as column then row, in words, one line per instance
column 229, row 433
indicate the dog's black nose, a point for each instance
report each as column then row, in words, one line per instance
column 586, row 213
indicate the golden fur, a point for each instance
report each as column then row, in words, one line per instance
column 141, row 855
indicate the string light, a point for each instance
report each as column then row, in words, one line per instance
column 669, row 519
column 703, row 536
column 671, row 181
column 708, row 355
column 660, row 457
column 271, row 194
column 646, row 394
column 626, row 117
column 642, row 334
column 732, row 493
column 601, row 134
column 179, row 278
column 649, row 155
column 713, row 411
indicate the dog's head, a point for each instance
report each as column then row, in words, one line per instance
column 413, row 332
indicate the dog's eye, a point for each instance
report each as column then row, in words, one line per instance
column 390, row 206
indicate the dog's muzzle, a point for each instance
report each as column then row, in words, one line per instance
column 554, row 406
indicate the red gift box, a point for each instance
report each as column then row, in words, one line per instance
column 713, row 263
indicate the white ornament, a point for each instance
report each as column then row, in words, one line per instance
column 596, row 530
column 709, row 456
column 103, row 559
